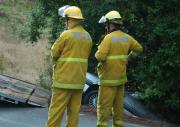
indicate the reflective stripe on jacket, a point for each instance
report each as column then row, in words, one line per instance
column 112, row 55
column 70, row 53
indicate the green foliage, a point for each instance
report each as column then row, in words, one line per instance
column 45, row 79
column 153, row 23
column 158, row 71
column 13, row 14
column 33, row 27
column 2, row 63
column 159, row 68
column 36, row 23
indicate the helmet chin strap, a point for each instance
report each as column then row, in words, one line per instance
column 108, row 26
column 66, row 18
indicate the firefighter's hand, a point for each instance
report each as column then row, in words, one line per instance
column 128, row 60
column 101, row 38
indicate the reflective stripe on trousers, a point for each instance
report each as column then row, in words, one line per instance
column 102, row 124
column 118, row 123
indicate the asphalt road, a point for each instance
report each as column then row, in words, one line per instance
column 22, row 116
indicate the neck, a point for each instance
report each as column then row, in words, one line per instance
column 73, row 23
column 111, row 27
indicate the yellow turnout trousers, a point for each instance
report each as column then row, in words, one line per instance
column 110, row 101
column 61, row 100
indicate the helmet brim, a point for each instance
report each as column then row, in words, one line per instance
column 116, row 21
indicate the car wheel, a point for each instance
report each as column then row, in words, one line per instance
column 91, row 98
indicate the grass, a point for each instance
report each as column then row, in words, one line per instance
column 19, row 59
column 13, row 14
column 1, row 63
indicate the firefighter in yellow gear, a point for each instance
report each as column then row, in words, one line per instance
column 70, row 53
column 113, row 53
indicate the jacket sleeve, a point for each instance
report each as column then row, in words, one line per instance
column 103, row 50
column 58, row 46
column 91, row 44
column 135, row 47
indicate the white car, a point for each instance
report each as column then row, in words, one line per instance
column 90, row 91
